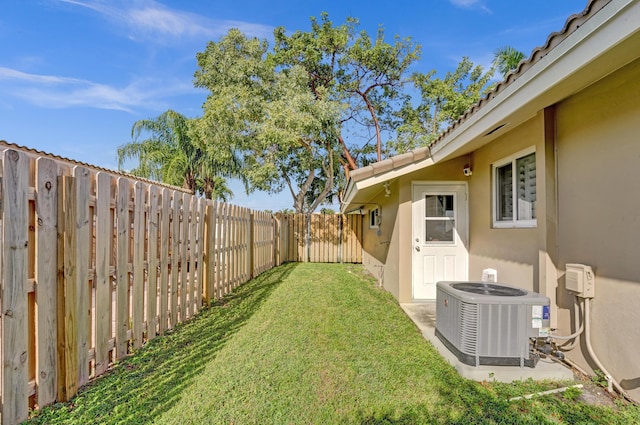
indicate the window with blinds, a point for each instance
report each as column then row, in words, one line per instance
column 514, row 188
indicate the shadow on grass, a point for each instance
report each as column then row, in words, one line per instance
column 468, row 402
column 143, row 386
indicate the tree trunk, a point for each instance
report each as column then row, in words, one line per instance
column 375, row 123
column 347, row 155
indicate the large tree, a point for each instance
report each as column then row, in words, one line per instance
column 288, row 109
column 167, row 149
column 267, row 114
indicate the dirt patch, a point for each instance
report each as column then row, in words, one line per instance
column 594, row 394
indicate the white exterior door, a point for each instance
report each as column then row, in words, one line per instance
column 439, row 236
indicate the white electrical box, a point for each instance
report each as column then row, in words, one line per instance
column 580, row 279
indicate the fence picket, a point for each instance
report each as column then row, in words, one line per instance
column 152, row 263
column 122, row 267
column 46, row 271
column 175, row 254
column 164, row 259
column 208, row 239
column 184, row 245
column 226, row 248
column 137, row 291
column 219, row 252
column 68, row 306
column 191, row 260
column 104, row 233
column 83, row 250
column 15, row 406
column 199, row 255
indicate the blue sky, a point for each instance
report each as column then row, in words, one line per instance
column 76, row 74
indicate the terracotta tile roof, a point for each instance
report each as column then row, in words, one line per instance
column 572, row 24
column 390, row 164
column 35, row 152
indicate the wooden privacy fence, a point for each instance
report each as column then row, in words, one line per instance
column 321, row 238
column 93, row 263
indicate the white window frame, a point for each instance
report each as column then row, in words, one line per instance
column 374, row 218
column 515, row 222
column 453, row 219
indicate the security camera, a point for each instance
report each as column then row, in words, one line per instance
column 467, row 171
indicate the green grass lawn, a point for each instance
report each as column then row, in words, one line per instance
column 308, row 344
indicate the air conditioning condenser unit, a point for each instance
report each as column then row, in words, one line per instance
column 490, row 324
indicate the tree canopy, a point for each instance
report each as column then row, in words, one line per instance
column 301, row 114
column 320, row 103
column 507, row 58
column 442, row 102
column 173, row 154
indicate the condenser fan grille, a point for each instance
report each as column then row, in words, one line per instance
column 469, row 328
column 488, row 289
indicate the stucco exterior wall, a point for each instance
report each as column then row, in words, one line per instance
column 379, row 254
column 598, row 152
column 512, row 252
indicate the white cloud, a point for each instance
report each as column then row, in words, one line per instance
column 57, row 92
column 471, row 4
column 150, row 20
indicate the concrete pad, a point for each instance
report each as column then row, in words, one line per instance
column 424, row 316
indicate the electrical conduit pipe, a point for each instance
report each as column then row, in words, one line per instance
column 575, row 335
column 587, row 336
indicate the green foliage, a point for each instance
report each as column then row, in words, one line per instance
column 507, row 59
column 288, row 109
column 572, row 393
column 600, row 378
column 173, row 154
column 285, row 109
column 268, row 115
column 443, row 101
